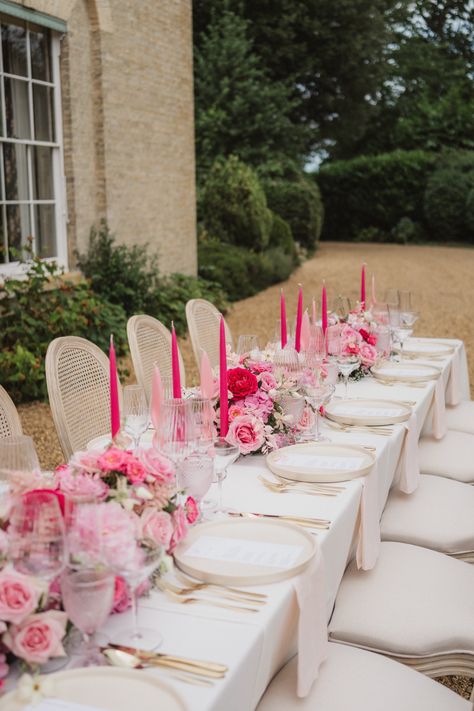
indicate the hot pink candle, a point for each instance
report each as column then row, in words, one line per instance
column 324, row 309
column 207, row 380
column 315, row 315
column 362, row 285
column 284, row 337
column 176, row 375
column 113, row 386
column 299, row 320
column 374, row 300
column 223, row 401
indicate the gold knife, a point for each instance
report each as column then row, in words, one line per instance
column 150, row 656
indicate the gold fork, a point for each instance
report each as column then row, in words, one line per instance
column 383, row 431
column 194, row 586
column 282, row 487
column 224, row 593
column 197, row 601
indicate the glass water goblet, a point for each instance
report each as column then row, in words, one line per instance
column 292, row 406
column 88, row 595
column 347, row 363
column 318, row 393
column 225, row 455
column 203, row 420
column 176, row 434
column 135, row 412
column 400, row 330
column 197, row 474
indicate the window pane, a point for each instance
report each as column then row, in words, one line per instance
column 14, row 50
column 16, row 108
column 45, row 231
column 16, row 172
column 40, row 62
column 3, row 252
column 42, row 173
column 19, row 230
column 43, row 112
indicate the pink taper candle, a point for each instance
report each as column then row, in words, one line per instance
column 299, row 320
column 284, row 337
column 315, row 315
column 362, row 285
column 176, row 375
column 157, row 397
column 207, row 381
column 374, row 300
column 305, row 331
column 324, row 309
column 223, row 401
column 113, row 385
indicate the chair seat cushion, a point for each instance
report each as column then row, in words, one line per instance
column 451, row 457
column 352, row 679
column 438, row 515
column 461, row 417
column 415, row 603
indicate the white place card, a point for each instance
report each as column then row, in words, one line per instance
column 242, row 550
column 314, row 461
column 360, row 411
column 50, row 704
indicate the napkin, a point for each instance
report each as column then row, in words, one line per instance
column 310, row 588
column 410, row 469
column 369, row 522
column 453, row 391
column 156, row 397
column 439, row 411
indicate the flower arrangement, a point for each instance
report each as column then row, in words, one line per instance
column 360, row 339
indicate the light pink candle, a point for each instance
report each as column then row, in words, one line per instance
column 299, row 320
column 284, row 337
column 223, row 401
column 374, row 300
column 315, row 315
column 362, row 285
column 207, row 380
column 305, row 331
column 324, row 309
column 157, row 396
column 176, row 375
column 113, row 385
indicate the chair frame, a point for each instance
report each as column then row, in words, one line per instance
column 194, row 330
column 11, row 416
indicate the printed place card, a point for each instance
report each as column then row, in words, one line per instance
column 368, row 411
column 314, row 461
column 242, row 550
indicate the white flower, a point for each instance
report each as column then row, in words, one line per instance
column 32, row 689
column 143, row 493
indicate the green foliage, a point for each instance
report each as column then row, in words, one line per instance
column 299, row 203
column 281, row 236
column 41, row 307
column 374, row 192
column 470, row 211
column 233, row 206
column 447, row 199
column 407, row 231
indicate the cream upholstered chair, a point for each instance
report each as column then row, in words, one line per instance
column 353, row 679
column 10, row 424
column 451, row 457
column 438, row 515
column 77, row 376
column 461, row 417
column 415, row 606
column 150, row 343
column 203, row 325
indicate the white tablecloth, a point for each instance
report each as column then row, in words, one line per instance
column 254, row 649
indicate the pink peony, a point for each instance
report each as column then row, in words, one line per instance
column 260, row 405
column 113, row 459
column 80, row 486
column 157, row 525
column 267, row 382
column 19, row 596
column 192, row 510
column 157, row 466
column 38, row 638
column 247, row 432
column 368, row 354
column 180, row 528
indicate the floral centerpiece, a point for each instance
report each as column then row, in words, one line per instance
column 359, row 338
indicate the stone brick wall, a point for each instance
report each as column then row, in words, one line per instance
column 127, row 94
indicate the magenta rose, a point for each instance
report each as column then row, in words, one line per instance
column 247, row 432
column 38, row 638
column 157, row 525
column 192, row 510
column 19, row 596
column 241, row 382
column 368, row 354
column 157, row 466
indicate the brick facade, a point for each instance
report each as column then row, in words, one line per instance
column 127, row 97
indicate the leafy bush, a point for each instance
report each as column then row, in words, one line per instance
column 447, row 198
column 281, row 236
column 43, row 306
column 299, row 203
column 470, row 211
column 233, row 207
column 374, row 192
column 407, row 231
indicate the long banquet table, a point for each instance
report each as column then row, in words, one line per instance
column 255, row 646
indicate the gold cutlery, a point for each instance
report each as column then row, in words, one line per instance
column 281, row 488
column 221, row 593
column 200, row 601
column 193, row 586
column 144, row 656
column 405, row 383
column 319, row 523
column 377, row 430
column 118, row 658
column 326, row 486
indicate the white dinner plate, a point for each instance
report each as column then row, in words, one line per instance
column 367, row 412
column 321, row 462
column 245, row 551
column 425, row 349
column 107, row 689
column 102, row 442
column 412, row 372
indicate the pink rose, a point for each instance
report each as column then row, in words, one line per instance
column 235, row 411
column 192, row 510
column 85, row 460
column 247, row 432
column 113, row 459
column 38, row 638
column 267, row 382
column 259, row 366
column 157, row 525
column 157, row 466
column 180, row 528
column 121, row 595
column 307, row 419
column 135, row 471
column 368, row 354
column 80, row 486
column 350, row 340
column 260, row 405
column 19, row 596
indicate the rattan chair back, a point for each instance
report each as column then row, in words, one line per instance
column 203, row 325
column 10, row 424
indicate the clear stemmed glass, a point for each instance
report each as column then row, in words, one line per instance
column 135, row 412
column 176, row 435
column 197, row 474
column 88, row 595
column 347, row 363
column 225, row 455
column 204, row 428
column 400, row 329
column 383, row 345
column 292, row 406
column 342, row 305
column 379, row 313
column 317, row 343
column 287, row 364
column 318, row 393
column 246, row 344
column 18, row 455
column 408, row 315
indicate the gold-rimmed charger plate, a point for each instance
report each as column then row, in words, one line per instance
column 405, row 372
column 425, row 349
column 321, row 462
column 367, row 412
column 245, row 551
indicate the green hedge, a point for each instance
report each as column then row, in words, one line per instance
column 367, row 197
column 298, row 203
column 449, row 199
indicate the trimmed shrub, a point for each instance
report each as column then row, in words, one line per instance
column 281, row 236
column 299, row 203
column 233, row 206
column 470, row 213
column 447, row 198
column 374, row 192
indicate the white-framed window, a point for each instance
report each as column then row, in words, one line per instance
column 32, row 192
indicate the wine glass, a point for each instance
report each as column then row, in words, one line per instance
column 383, row 344
column 342, row 305
column 176, row 434
column 292, row 406
column 317, row 343
column 88, row 595
column 408, row 315
column 197, row 474
column 204, row 429
column 225, row 455
column 287, row 364
column 246, row 344
column 379, row 313
column 318, row 393
column 392, row 297
column 400, row 329
column 135, row 412
column 18, row 456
